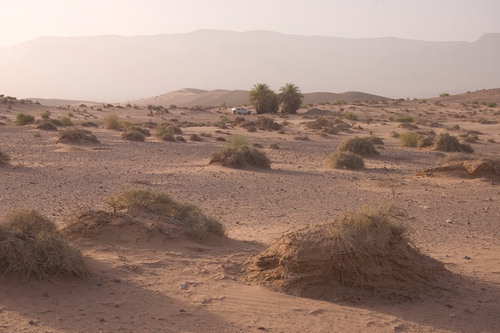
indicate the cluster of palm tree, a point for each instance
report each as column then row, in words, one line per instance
column 265, row 100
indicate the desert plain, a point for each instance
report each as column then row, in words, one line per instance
column 169, row 282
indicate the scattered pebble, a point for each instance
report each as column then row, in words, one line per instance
column 117, row 280
column 467, row 257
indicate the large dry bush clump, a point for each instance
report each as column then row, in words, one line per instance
column 197, row 224
column 346, row 160
column 47, row 125
column 135, row 133
column 241, row 157
column 32, row 247
column 268, row 124
column 4, row 158
column 360, row 146
column 77, row 135
column 449, row 143
column 237, row 154
column 408, row 139
column 366, row 253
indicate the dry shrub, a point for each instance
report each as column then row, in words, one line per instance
column 366, row 253
column 268, row 124
column 273, row 145
column 425, row 142
column 77, row 135
column 447, row 142
column 241, row 157
column 47, row 125
column 194, row 137
column 359, row 146
column 4, row 158
column 346, row 160
column 89, row 124
column 197, row 224
column 32, row 247
column 132, row 134
column 376, row 140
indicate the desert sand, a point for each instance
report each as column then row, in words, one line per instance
column 171, row 283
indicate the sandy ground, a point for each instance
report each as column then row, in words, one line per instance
column 175, row 284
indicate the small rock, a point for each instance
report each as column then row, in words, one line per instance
column 182, row 310
column 117, row 280
column 449, row 221
column 45, row 295
column 31, row 322
column 467, row 257
column 184, row 286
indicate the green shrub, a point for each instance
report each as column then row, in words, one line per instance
column 345, row 160
column 408, row 139
column 241, row 157
column 111, row 121
column 237, row 141
column 350, row 116
column 45, row 115
column 405, row 119
column 360, row 146
column 189, row 216
column 24, row 119
column 449, row 143
column 32, row 247
column 66, row 121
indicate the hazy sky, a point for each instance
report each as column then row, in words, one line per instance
column 452, row 20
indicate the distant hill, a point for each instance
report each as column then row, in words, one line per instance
column 59, row 102
column 117, row 69
column 479, row 96
column 195, row 97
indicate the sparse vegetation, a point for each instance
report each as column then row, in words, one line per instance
column 32, row 247
column 241, row 157
column 24, row 119
column 264, row 99
column 345, row 160
column 360, row 146
column 167, row 131
column 197, row 224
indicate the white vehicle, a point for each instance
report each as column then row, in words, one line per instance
column 241, row 110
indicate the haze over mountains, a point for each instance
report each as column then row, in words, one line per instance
column 118, row 69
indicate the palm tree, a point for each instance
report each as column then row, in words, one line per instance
column 291, row 98
column 264, row 99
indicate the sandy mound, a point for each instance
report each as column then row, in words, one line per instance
column 359, row 254
column 468, row 168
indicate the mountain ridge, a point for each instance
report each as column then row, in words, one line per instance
column 120, row 68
